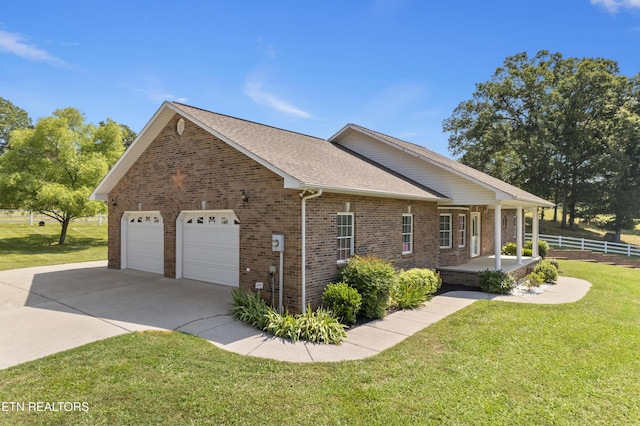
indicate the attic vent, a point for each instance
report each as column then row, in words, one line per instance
column 180, row 126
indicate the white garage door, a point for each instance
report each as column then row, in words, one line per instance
column 143, row 242
column 211, row 247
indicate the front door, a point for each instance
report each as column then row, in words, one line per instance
column 475, row 234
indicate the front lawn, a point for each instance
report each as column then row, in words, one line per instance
column 490, row 363
column 23, row 245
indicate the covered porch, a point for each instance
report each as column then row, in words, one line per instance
column 467, row 273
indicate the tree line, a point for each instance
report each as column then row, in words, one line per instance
column 53, row 166
column 566, row 129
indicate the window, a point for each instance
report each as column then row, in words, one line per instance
column 345, row 236
column 407, row 233
column 445, row 231
column 462, row 230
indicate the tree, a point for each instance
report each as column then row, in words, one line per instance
column 542, row 124
column 11, row 118
column 618, row 185
column 53, row 167
column 128, row 135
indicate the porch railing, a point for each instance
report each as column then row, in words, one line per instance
column 559, row 241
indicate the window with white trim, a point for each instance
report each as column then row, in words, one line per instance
column 345, row 236
column 445, row 230
column 407, row 233
column 462, row 230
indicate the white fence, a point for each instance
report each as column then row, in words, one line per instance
column 583, row 244
column 33, row 218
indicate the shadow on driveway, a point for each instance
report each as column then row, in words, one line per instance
column 45, row 310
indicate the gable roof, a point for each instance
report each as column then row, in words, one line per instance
column 304, row 162
column 504, row 189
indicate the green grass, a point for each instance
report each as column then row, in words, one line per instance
column 22, row 245
column 582, row 229
column 492, row 363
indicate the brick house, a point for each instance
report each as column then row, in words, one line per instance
column 201, row 195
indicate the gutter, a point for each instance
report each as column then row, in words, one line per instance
column 304, row 245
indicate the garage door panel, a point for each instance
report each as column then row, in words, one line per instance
column 211, row 248
column 145, row 242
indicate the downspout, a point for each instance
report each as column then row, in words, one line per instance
column 304, row 246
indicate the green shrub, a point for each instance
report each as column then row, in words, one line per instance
column 413, row 287
column 527, row 252
column 250, row 308
column 344, row 301
column 373, row 278
column 555, row 264
column 543, row 247
column 497, row 282
column 318, row 326
column 321, row 326
column 533, row 280
column 547, row 271
column 509, row 249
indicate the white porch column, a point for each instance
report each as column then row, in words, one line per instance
column 497, row 236
column 535, row 230
column 519, row 235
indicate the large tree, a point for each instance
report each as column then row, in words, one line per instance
column 617, row 187
column 541, row 123
column 53, row 167
column 11, row 118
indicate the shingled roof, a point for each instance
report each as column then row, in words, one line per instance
column 305, row 162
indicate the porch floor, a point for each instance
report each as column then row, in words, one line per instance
column 481, row 263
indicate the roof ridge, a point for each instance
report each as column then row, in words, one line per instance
column 247, row 121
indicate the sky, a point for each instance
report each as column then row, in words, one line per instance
column 399, row 67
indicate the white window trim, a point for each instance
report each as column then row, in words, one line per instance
column 410, row 251
column 351, row 237
column 449, row 231
column 462, row 232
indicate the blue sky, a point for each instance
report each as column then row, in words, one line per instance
column 396, row 66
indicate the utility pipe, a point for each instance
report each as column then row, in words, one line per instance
column 304, row 245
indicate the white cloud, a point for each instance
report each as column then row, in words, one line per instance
column 613, row 6
column 16, row 44
column 253, row 89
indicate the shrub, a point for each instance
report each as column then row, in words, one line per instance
column 555, row 263
column 413, row 287
column 509, row 249
column 533, row 280
column 498, row 282
column 321, row 326
column 373, row 278
column 543, row 247
column 318, row 326
column 343, row 301
column 250, row 308
column 527, row 252
column 547, row 271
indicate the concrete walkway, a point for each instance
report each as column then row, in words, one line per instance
column 49, row 309
column 372, row 338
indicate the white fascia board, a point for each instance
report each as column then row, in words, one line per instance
column 254, row 157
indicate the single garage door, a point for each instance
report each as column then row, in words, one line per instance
column 211, row 246
column 143, row 241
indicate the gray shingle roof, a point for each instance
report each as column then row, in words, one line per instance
column 314, row 162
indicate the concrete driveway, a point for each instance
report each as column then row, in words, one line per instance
column 44, row 310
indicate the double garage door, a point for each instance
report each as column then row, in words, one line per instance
column 207, row 245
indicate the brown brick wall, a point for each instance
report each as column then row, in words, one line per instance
column 216, row 173
column 378, row 231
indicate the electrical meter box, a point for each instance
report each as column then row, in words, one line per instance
column 277, row 242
